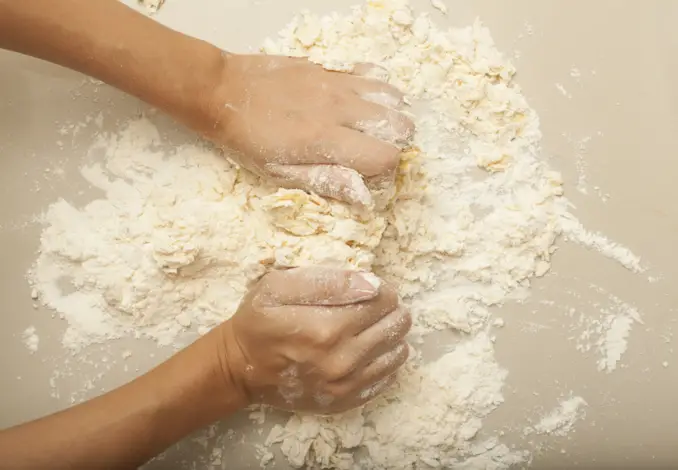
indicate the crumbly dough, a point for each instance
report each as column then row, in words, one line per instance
column 179, row 234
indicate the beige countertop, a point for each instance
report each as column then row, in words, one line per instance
column 617, row 123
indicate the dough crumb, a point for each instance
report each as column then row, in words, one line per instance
column 31, row 339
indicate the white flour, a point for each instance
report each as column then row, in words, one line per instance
column 607, row 330
column 178, row 236
column 31, row 339
column 152, row 6
column 560, row 421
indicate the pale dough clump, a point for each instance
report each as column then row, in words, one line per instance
column 178, row 238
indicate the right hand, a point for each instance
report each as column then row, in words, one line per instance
column 301, row 126
column 316, row 339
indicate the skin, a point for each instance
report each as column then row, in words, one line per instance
column 283, row 118
column 333, row 339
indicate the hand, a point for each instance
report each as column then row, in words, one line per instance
column 301, row 126
column 315, row 339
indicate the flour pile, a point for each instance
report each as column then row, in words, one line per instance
column 177, row 240
column 178, row 236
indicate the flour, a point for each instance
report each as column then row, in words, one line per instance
column 563, row 91
column 574, row 231
column 152, row 6
column 614, row 343
column 618, row 320
column 430, row 417
column 560, row 421
column 31, row 339
column 439, row 5
column 177, row 240
column 608, row 333
column 178, row 235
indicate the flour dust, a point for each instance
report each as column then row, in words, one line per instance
column 172, row 245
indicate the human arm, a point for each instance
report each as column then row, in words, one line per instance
column 333, row 341
column 130, row 425
column 286, row 119
column 112, row 42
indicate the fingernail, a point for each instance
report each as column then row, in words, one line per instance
column 356, row 190
column 365, row 283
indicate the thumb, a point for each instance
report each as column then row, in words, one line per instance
column 333, row 181
column 317, row 285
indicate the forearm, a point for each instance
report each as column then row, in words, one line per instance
column 127, row 427
column 109, row 41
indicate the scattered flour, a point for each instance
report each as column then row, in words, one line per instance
column 31, row 339
column 580, row 149
column 152, row 5
column 179, row 234
column 563, row 91
column 561, row 420
column 439, row 5
column 614, row 343
column 608, row 332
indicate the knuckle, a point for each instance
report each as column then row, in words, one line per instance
column 269, row 280
column 336, row 99
column 324, row 336
column 313, row 137
column 326, row 283
column 258, row 303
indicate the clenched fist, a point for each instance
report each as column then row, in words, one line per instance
column 301, row 126
column 315, row 339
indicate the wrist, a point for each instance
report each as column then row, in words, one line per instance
column 217, row 103
column 197, row 79
column 193, row 383
column 230, row 363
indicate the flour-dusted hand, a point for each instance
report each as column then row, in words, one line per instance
column 301, row 126
column 315, row 339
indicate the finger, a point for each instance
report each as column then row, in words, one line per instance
column 318, row 286
column 349, row 321
column 378, row 121
column 379, row 338
column 368, row 314
column 375, row 91
column 356, row 150
column 383, row 190
column 373, row 391
column 350, row 353
column 339, row 145
column 382, row 98
column 370, row 82
column 384, row 366
column 333, row 181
